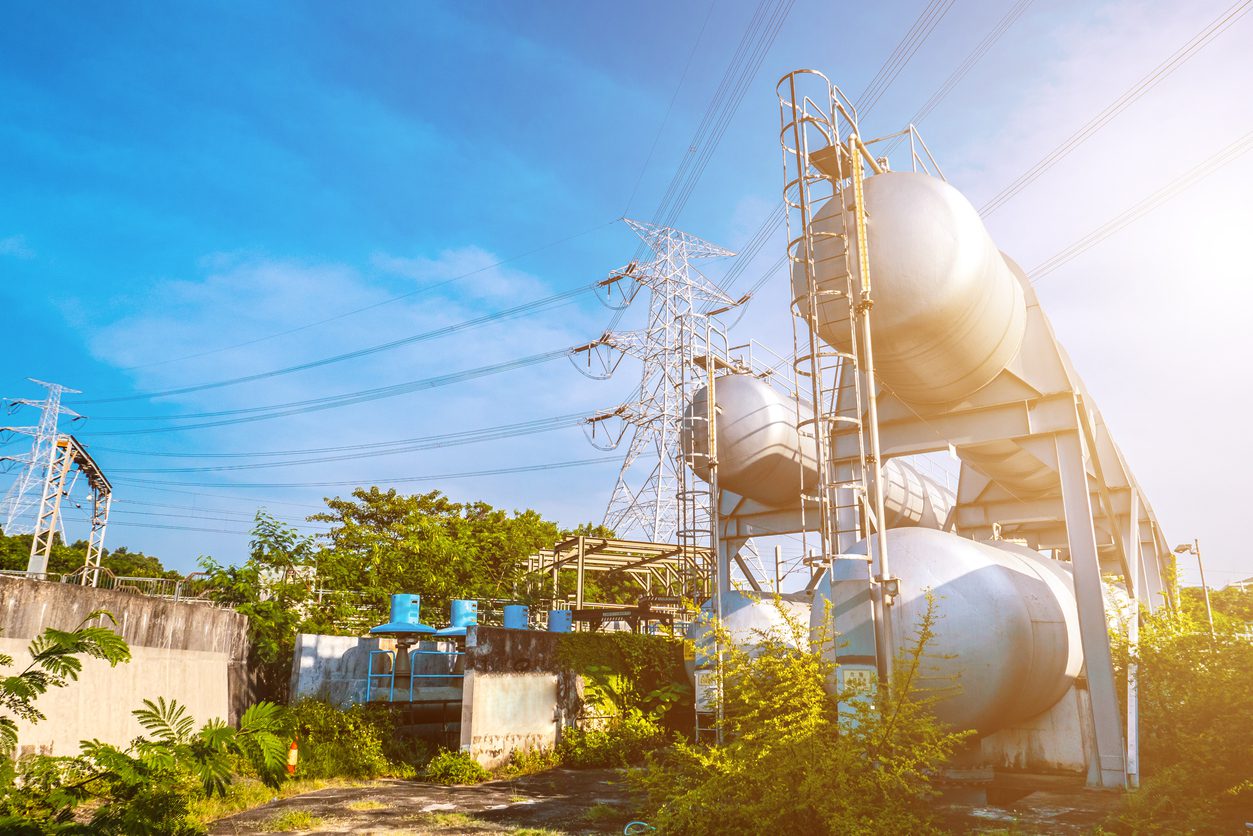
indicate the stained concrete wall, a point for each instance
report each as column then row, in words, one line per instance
column 192, row 652
column 517, row 694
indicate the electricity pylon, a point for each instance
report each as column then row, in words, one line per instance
column 656, row 497
column 17, row 509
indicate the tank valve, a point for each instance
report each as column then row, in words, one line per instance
column 891, row 588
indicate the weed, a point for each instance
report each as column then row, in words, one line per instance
column 603, row 814
column 290, row 820
column 365, row 805
column 455, row 768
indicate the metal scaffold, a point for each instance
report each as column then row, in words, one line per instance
column 656, row 496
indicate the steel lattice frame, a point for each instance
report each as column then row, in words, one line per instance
column 655, row 496
column 22, row 497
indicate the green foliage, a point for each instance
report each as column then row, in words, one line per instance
column 54, row 664
column 273, row 588
column 385, row 542
column 1196, row 724
column 290, row 820
column 616, row 741
column 1232, row 606
column 15, row 554
column 147, row 787
column 449, row 767
column 359, row 742
column 528, row 762
column 627, row 670
column 800, row 758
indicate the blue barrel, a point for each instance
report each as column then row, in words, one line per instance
column 517, row 616
column 464, row 613
column 560, row 621
column 406, row 608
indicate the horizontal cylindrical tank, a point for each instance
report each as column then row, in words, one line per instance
column 1006, row 644
column 762, row 456
column 746, row 619
column 949, row 313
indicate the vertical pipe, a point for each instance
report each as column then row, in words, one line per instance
column 883, row 631
column 578, row 587
column 778, row 557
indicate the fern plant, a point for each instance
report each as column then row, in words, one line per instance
column 54, row 663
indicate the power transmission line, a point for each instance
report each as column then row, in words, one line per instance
column 1139, row 210
column 914, row 38
column 400, row 480
column 428, row 443
column 548, row 302
column 328, row 402
column 1159, row 74
column 420, row 291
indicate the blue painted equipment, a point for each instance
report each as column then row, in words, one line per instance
column 517, row 617
column 560, row 621
column 404, row 620
column 464, row 614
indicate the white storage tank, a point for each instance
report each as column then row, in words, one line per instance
column 1007, row 641
column 949, row 313
column 763, row 457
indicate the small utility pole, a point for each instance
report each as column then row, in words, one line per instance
column 1195, row 548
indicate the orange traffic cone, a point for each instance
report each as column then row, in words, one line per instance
column 293, row 756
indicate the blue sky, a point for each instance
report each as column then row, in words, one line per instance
column 177, row 180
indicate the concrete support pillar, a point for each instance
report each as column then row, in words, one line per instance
column 1110, row 764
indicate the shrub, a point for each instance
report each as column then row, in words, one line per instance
column 1196, row 726
column 449, row 767
column 359, row 742
column 799, row 758
column 620, row 741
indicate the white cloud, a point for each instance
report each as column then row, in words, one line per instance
column 16, row 246
column 469, row 270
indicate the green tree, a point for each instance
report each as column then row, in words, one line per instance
column 383, row 542
column 274, row 589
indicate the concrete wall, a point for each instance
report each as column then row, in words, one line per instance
column 517, row 695
column 192, row 652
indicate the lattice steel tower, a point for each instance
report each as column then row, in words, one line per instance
column 23, row 496
column 656, row 497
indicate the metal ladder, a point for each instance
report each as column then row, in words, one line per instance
column 824, row 160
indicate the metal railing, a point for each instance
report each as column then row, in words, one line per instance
column 387, row 678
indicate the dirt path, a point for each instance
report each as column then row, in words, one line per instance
column 560, row 801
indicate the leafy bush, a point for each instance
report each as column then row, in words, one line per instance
column 448, row 767
column 359, row 742
column 529, row 761
column 799, row 758
column 1196, row 725
column 621, row 741
column 147, row 787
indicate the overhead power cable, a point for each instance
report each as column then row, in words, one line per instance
column 330, row 402
column 670, row 107
column 1159, row 74
column 914, row 38
column 402, row 443
column 411, row 294
column 548, row 302
column 972, row 58
column 1174, row 187
column 428, row 443
column 399, row 480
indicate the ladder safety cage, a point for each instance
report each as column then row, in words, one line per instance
column 825, row 163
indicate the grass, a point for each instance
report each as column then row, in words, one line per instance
column 365, row 806
column 246, row 793
column 604, row 814
column 291, row 820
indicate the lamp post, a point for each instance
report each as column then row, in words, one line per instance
column 1195, row 548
